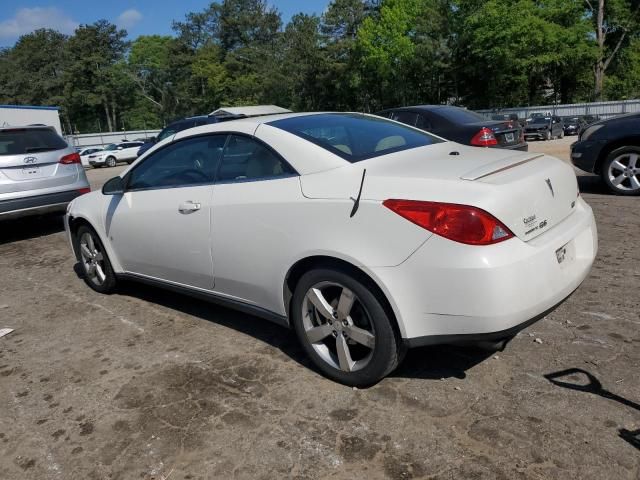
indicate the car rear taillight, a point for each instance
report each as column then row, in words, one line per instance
column 82, row 191
column 461, row 223
column 71, row 158
column 484, row 138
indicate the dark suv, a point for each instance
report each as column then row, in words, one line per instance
column 611, row 149
column 544, row 128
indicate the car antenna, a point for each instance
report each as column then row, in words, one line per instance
column 356, row 201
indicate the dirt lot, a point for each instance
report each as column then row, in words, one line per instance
column 152, row 385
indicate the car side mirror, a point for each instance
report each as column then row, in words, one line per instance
column 115, row 186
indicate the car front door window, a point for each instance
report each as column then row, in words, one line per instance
column 188, row 162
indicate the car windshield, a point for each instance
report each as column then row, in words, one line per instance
column 111, row 146
column 18, row 141
column 355, row 137
column 459, row 115
column 571, row 120
column 540, row 120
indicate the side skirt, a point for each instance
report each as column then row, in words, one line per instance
column 210, row 297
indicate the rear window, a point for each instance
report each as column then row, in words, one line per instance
column 459, row 115
column 355, row 137
column 21, row 141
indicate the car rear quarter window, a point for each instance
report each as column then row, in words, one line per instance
column 355, row 137
column 20, row 141
column 247, row 159
column 459, row 115
column 410, row 118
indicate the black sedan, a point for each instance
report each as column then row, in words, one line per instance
column 573, row 125
column 460, row 125
column 611, row 149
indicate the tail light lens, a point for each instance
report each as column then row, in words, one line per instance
column 460, row 223
column 82, row 191
column 71, row 158
column 484, row 138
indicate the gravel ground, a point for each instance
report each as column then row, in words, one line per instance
column 153, row 385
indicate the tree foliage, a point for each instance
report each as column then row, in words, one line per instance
column 358, row 55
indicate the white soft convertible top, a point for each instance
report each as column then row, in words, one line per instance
column 250, row 111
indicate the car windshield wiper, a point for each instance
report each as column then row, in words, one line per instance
column 39, row 149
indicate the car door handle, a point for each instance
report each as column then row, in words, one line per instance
column 189, row 207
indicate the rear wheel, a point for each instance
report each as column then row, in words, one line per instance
column 344, row 328
column 98, row 273
column 621, row 171
column 111, row 161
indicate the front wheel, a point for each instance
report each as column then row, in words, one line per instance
column 547, row 136
column 111, row 162
column 621, row 171
column 98, row 273
column 344, row 328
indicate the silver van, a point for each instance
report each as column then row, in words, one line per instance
column 39, row 172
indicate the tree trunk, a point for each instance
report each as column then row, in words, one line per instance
column 108, row 115
column 599, row 67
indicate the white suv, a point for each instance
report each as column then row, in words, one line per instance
column 114, row 153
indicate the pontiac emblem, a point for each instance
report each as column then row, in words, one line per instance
column 550, row 187
column 30, row 160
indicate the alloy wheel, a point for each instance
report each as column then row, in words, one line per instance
column 111, row 162
column 92, row 259
column 338, row 326
column 624, row 172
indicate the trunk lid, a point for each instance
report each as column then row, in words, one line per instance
column 515, row 187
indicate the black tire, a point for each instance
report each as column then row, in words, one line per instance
column 388, row 349
column 110, row 280
column 111, row 162
column 625, row 188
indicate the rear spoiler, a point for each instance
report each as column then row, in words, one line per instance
column 499, row 166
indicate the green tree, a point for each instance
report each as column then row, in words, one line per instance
column 93, row 77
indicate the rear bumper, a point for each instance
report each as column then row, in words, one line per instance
column 36, row 205
column 523, row 147
column 448, row 292
column 540, row 135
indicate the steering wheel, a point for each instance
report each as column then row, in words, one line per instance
column 196, row 175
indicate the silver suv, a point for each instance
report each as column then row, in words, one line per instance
column 39, row 172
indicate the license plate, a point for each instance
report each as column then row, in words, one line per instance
column 30, row 171
column 561, row 254
column 509, row 137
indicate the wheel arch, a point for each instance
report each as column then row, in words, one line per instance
column 75, row 222
column 299, row 268
column 629, row 141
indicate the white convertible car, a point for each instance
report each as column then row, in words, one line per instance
column 363, row 234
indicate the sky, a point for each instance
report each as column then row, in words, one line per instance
column 142, row 17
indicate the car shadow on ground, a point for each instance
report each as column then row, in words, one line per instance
column 30, row 227
column 440, row 362
column 429, row 363
column 592, row 184
column 583, row 381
